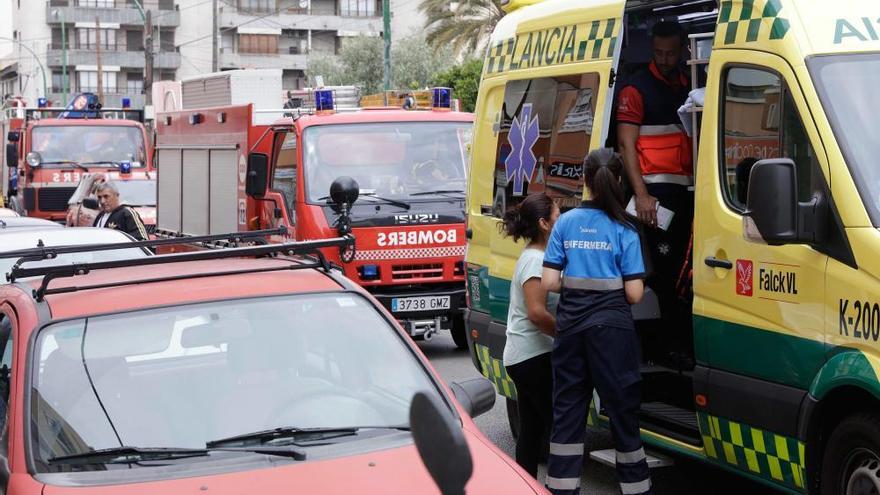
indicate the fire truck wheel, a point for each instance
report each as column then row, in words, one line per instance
column 459, row 332
column 851, row 461
column 513, row 417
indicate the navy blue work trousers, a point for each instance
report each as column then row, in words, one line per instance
column 606, row 358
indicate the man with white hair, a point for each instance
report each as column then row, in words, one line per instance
column 115, row 215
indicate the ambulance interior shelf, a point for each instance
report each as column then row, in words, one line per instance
column 700, row 50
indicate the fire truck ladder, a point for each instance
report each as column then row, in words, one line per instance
column 308, row 250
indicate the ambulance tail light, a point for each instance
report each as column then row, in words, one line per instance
column 441, row 99
column 369, row 272
column 324, row 101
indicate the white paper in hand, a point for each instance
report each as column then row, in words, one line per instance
column 664, row 215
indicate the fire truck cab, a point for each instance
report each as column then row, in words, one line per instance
column 409, row 167
column 53, row 147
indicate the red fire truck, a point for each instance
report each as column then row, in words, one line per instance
column 52, row 148
column 220, row 172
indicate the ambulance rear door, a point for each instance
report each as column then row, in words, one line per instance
column 544, row 103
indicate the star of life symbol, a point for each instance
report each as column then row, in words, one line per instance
column 520, row 163
column 664, row 248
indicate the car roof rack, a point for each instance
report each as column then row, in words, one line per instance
column 232, row 239
column 50, row 273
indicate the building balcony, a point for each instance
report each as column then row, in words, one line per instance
column 112, row 99
column 316, row 20
column 119, row 58
column 286, row 60
column 124, row 16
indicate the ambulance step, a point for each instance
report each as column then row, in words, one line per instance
column 655, row 460
column 672, row 421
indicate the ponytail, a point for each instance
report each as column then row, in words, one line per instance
column 522, row 221
column 602, row 169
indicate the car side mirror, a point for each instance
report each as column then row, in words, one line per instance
column 441, row 443
column 257, row 175
column 476, row 396
column 773, row 213
column 90, row 203
column 13, row 136
column 11, row 155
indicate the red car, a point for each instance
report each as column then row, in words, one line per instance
column 214, row 372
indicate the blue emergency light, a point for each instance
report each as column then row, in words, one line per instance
column 324, row 100
column 441, row 99
column 124, row 168
column 42, row 102
column 126, row 102
column 369, row 272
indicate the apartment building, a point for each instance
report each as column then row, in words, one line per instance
column 63, row 36
column 283, row 34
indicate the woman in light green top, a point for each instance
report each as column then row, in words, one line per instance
column 530, row 327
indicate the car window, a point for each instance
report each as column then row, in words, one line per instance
column 760, row 121
column 6, row 352
column 205, row 371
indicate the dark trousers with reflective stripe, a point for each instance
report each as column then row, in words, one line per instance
column 606, row 358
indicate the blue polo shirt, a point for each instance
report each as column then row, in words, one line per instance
column 596, row 255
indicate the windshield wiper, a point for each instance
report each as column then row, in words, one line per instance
column 303, row 434
column 126, row 455
column 65, row 162
column 99, row 162
column 439, row 191
column 131, row 455
column 264, row 436
column 393, row 202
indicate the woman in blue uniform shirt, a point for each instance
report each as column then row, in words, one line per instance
column 594, row 260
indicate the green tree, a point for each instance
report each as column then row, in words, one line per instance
column 414, row 63
column 359, row 63
column 464, row 79
column 464, row 26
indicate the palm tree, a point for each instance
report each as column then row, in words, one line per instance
column 463, row 26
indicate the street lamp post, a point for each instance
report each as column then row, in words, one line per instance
column 64, row 82
column 39, row 64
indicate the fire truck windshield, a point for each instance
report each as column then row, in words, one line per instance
column 398, row 160
column 92, row 144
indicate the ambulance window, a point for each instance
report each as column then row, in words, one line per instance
column 284, row 179
column 760, row 122
column 544, row 131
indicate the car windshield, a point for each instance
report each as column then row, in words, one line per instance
column 15, row 241
column 184, row 376
column 392, row 159
column 847, row 86
column 89, row 144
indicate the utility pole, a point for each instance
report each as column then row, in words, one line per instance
column 148, row 58
column 386, row 33
column 98, row 60
column 215, row 45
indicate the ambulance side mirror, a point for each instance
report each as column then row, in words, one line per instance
column 773, row 213
column 257, row 175
column 441, row 444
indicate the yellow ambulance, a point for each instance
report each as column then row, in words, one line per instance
column 783, row 386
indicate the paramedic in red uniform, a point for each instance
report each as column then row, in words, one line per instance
column 659, row 166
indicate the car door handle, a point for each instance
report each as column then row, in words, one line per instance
column 717, row 263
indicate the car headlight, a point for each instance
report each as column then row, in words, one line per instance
column 34, row 159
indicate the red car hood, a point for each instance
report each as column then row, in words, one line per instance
column 392, row 471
